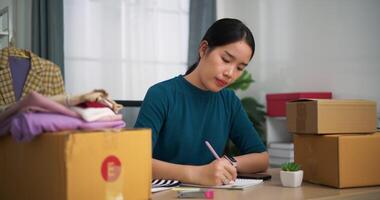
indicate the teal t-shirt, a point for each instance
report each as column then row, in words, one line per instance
column 182, row 117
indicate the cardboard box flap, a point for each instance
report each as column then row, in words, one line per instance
column 301, row 116
column 108, row 130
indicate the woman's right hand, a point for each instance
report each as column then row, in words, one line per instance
column 218, row 172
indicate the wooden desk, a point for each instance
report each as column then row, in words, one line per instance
column 273, row 190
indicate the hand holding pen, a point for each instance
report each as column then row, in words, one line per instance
column 228, row 175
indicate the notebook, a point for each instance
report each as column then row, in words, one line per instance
column 240, row 184
column 161, row 185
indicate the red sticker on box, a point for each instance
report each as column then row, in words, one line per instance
column 111, row 168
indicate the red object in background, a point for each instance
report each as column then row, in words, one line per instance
column 276, row 103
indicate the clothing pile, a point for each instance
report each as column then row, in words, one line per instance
column 36, row 114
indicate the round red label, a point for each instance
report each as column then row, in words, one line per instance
column 111, row 168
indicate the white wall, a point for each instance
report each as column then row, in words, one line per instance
column 311, row 45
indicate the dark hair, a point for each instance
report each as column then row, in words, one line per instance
column 226, row 31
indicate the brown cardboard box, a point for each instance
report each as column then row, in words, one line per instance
column 324, row 116
column 341, row 161
column 81, row 165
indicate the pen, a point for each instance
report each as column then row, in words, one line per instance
column 231, row 160
column 187, row 189
column 212, row 150
column 217, row 157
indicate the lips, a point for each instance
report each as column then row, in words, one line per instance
column 220, row 83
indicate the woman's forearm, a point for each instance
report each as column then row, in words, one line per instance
column 165, row 170
column 215, row 173
column 253, row 162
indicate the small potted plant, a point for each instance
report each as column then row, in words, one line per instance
column 291, row 174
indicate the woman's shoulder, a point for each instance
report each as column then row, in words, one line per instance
column 164, row 87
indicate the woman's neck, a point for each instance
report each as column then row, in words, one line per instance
column 194, row 79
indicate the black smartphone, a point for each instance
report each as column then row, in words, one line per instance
column 262, row 176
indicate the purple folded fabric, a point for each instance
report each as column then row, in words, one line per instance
column 25, row 126
column 32, row 102
column 37, row 100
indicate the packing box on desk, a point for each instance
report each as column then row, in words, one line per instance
column 276, row 103
column 326, row 116
column 78, row 165
column 341, row 161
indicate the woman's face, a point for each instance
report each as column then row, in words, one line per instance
column 222, row 65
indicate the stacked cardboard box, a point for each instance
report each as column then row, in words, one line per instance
column 336, row 141
column 279, row 140
column 79, row 165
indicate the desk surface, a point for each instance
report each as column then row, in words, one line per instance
column 273, row 190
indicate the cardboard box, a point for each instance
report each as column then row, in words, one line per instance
column 325, row 116
column 81, row 165
column 340, row 161
column 276, row 103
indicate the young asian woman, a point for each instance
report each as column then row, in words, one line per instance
column 187, row 110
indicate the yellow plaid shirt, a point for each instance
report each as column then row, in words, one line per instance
column 44, row 76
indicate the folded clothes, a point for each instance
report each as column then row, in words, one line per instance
column 36, row 102
column 93, row 114
column 25, row 126
column 33, row 102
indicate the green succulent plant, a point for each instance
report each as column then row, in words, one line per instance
column 255, row 110
column 290, row 166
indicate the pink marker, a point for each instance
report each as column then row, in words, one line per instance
column 207, row 194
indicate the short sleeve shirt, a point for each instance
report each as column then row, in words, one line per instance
column 182, row 117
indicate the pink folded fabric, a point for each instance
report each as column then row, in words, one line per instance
column 25, row 126
column 38, row 102
column 32, row 102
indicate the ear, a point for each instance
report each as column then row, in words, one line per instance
column 203, row 48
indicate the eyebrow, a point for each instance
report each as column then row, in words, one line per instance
column 232, row 56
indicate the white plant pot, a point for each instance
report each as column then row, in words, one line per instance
column 291, row 179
